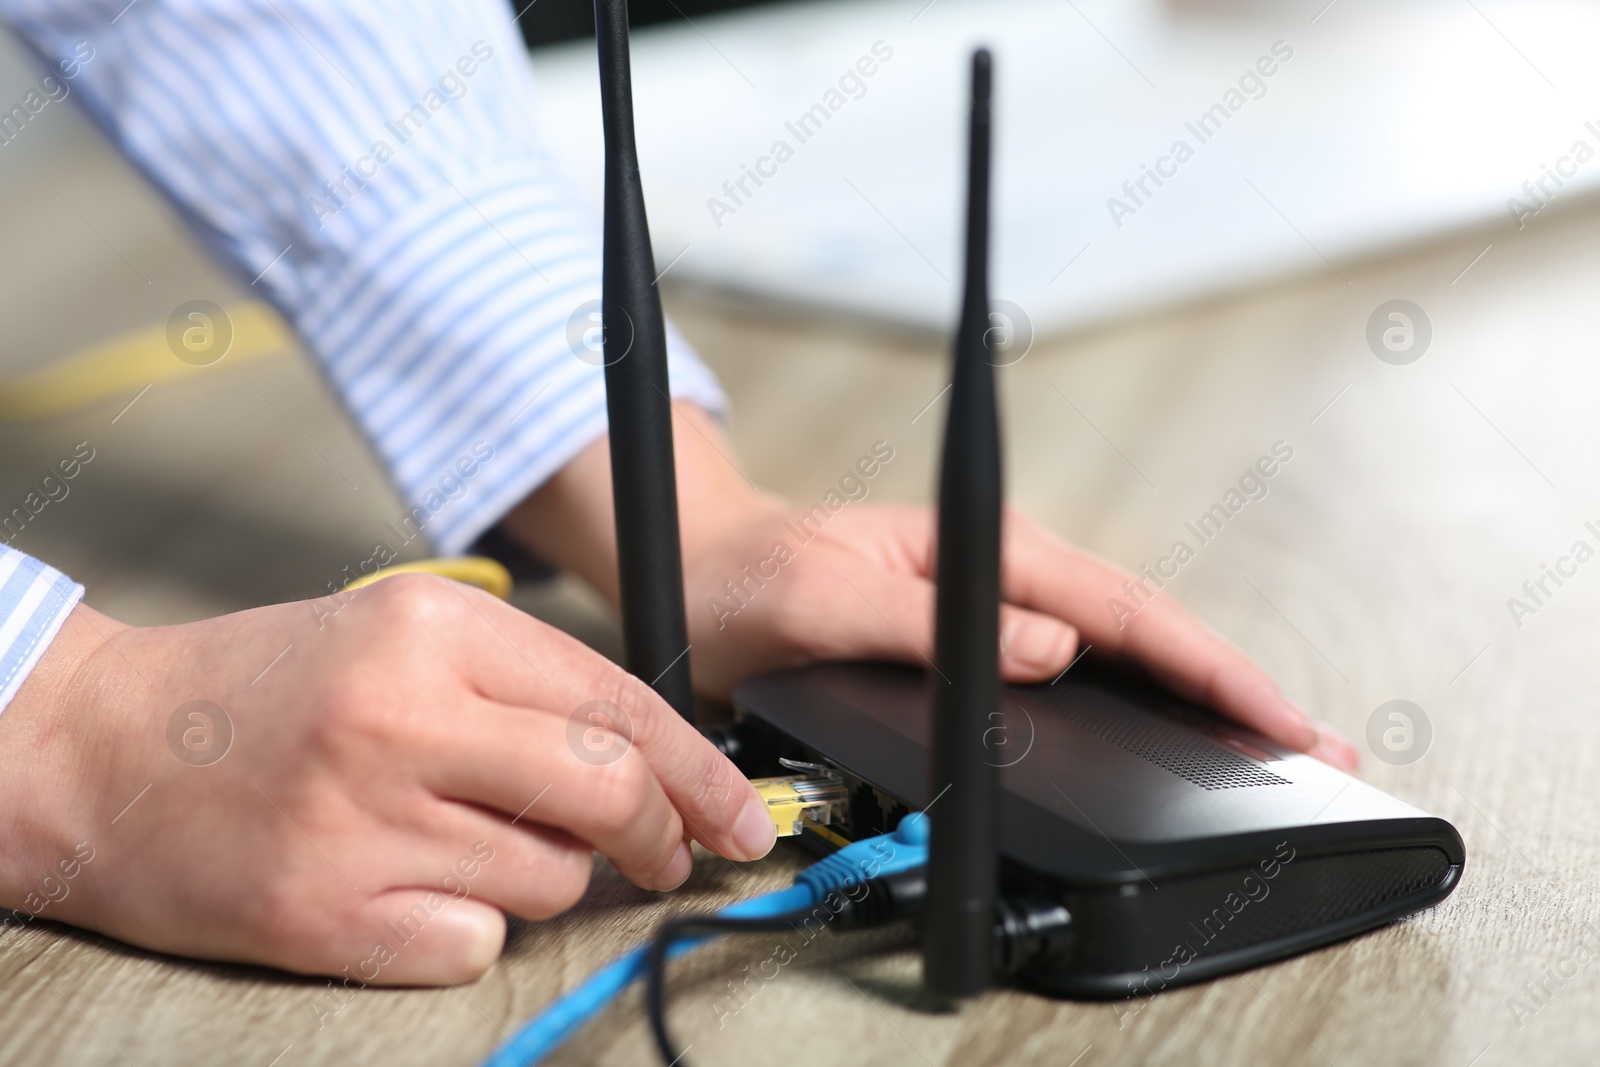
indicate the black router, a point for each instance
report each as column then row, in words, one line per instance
column 1183, row 845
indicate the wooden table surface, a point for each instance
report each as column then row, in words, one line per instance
column 1418, row 500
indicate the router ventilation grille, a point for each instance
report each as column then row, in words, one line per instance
column 1193, row 757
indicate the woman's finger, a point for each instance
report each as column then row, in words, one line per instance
column 516, row 660
column 1122, row 614
column 539, row 768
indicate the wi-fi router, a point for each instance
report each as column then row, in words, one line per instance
column 1184, row 846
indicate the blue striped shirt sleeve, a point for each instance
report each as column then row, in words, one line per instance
column 34, row 602
column 371, row 166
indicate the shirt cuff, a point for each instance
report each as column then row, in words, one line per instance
column 461, row 338
column 34, row 601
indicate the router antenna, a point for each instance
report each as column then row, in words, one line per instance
column 963, row 860
column 644, row 491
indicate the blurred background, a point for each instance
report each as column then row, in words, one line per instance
column 1347, row 162
column 1163, row 331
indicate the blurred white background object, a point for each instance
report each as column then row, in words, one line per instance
column 1381, row 124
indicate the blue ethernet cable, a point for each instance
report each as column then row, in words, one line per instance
column 873, row 857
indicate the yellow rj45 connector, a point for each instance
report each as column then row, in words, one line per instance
column 795, row 799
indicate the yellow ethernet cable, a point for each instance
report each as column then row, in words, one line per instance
column 486, row 574
column 121, row 366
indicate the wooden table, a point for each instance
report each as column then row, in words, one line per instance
column 1418, row 499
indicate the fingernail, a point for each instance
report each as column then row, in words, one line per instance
column 677, row 870
column 1333, row 747
column 754, row 833
column 1040, row 645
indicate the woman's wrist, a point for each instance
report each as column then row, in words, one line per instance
column 569, row 521
column 46, row 733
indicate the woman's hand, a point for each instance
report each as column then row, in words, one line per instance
column 861, row 588
column 857, row 585
column 365, row 785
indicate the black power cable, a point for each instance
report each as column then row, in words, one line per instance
column 689, row 926
column 863, row 905
column 1026, row 930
